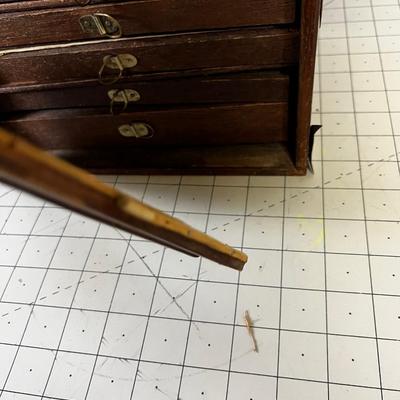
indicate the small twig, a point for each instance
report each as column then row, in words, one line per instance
column 249, row 325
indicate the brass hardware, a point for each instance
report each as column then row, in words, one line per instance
column 120, row 95
column 136, row 130
column 118, row 62
column 101, row 24
column 124, row 96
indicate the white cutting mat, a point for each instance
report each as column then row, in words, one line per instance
column 88, row 312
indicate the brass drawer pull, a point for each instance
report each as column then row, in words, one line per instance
column 118, row 62
column 101, row 24
column 136, row 130
column 124, row 96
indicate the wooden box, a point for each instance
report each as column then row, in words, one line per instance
column 162, row 86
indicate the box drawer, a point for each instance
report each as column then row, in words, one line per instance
column 254, row 87
column 25, row 5
column 222, row 51
column 96, row 128
column 138, row 17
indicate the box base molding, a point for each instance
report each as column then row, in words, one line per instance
column 263, row 159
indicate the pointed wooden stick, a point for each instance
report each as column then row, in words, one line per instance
column 25, row 166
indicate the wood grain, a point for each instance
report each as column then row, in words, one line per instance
column 243, row 50
column 142, row 17
column 260, row 159
column 31, row 169
column 254, row 87
column 310, row 14
column 97, row 128
column 27, row 5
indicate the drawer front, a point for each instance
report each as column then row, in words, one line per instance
column 225, row 51
column 26, row 5
column 216, row 125
column 139, row 17
column 230, row 88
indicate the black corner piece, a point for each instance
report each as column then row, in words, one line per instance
column 313, row 130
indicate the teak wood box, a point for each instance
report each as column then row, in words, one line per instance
column 162, row 86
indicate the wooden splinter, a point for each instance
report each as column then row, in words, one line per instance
column 249, row 325
column 31, row 169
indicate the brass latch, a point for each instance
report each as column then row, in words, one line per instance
column 124, row 96
column 136, row 130
column 118, row 62
column 101, row 24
